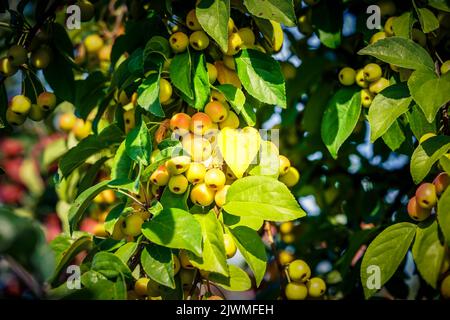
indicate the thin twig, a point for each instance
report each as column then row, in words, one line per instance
column 132, row 198
column 268, row 230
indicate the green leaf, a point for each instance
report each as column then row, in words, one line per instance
column 108, row 264
column 90, row 175
column 261, row 76
column 113, row 216
column 426, row 154
column 268, row 161
column 180, row 73
column 403, row 25
column 172, row 200
column 327, row 19
column 254, row 196
column 158, row 264
column 340, row 118
column 234, row 96
column 100, row 288
column 252, row 249
column 386, row 107
column 400, row 52
column 89, row 146
column 60, row 77
column 238, row 279
column 83, row 201
column 122, row 165
column 126, row 251
column 174, row 228
column 444, row 162
column 281, row 11
column 201, row 81
column 394, row 136
column 386, row 252
column 443, row 215
column 418, row 123
column 148, row 95
column 88, row 93
column 429, row 91
column 443, row 5
column 252, row 222
column 138, row 144
column 428, row 252
column 159, row 45
column 213, row 16
column 427, row 20
column 213, row 256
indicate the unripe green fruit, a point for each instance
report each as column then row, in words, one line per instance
column 232, row 121
column 296, row 291
column 285, row 164
column 14, row 118
column 40, row 58
column 184, row 260
column 46, row 101
column 359, row 78
column 445, row 67
column 215, row 179
column 416, row 212
column 366, row 98
column 6, row 67
column 17, row 55
column 221, row 196
column 179, row 41
column 377, row 36
column 202, row 195
column 160, row 177
column 165, row 91
column 316, row 287
column 291, row 177
column 87, row 10
column 178, row 184
column 379, row 85
column 93, row 43
column 216, row 111
column 441, row 182
column 178, row 165
column 196, row 172
column 347, row 76
column 426, row 195
column 299, row 271
column 247, row 36
column 36, row 113
column 212, row 72
column 230, row 246
column 131, row 226
column 199, row 40
column 445, row 287
column 140, row 286
column 388, row 26
column 192, row 21
column 372, row 72
column 20, row 105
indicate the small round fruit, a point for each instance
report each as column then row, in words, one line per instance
column 299, row 271
column 316, row 287
column 15, row 119
column 178, row 184
column 445, row 287
column 179, row 41
column 296, row 291
column 285, row 164
column 6, row 67
column 416, row 212
column 165, row 91
column 221, row 196
column 426, row 195
column 419, row 37
column 387, row 7
column 196, row 172
column 93, row 43
column 347, row 76
column 184, row 260
column 285, row 257
column 231, row 26
column 359, row 78
column 20, row 105
column 140, row 286
column 41, row 58
column 230, row 174
column 17, row 55
column 178, row 165
column 192, row 21
column 117, row 233
column 366, row 98
column 441, row 182
column 199, row 40
column 36, row 113
column 87, row 10
column 291, row 177
column 46, row 101
column 247, row 36
column 212, row 72
column 228, row 61
column 372, row 72
column 288, row 70
column 230, row 246
column 82, row 129
column 388, row 26
column 198, row 147
column 445, row 67
column 377, row 37
column 426, row 136
column 131, row 226
column 234, row 44
column 216, row 111
column 180, row 123
column 202, row 195
column 160, row 177
column 232, row 121
column 67, row 121
column 217, row 96
column 379, row 85
column 109, row 196
column 286, row 227
column 215, row 178
column 200, row 123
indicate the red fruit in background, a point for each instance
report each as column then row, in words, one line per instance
column 11, row 148
column 441, row 182
column 88, row 225
column 52, row 226
column 10, row 193
column 13, row 288
column 12, row 169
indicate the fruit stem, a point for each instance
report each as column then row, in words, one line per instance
column 132, row 198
